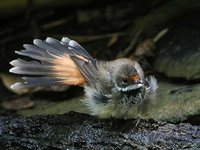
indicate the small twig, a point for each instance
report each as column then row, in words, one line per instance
column 160, row 35
column 54, row 23
column 132, row 44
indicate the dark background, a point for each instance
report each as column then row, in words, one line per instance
column 163, row 35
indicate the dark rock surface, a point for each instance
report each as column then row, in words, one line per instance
column 78, row 131
column 179, row 50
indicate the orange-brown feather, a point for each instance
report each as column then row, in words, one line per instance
column 134, row 77
column 65, row 68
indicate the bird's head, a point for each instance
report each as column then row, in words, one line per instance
column 130, row 83
column 128, row 76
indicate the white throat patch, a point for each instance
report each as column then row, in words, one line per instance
column 129, row 88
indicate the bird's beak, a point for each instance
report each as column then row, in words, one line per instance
column 138, row 82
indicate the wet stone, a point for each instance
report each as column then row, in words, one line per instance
column 79, row 131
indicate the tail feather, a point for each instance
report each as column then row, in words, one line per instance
column 36, row 81
column 77, row 48
column 23, row 63
column 46, row 46
column 29, row 71
column 54, row 62
column 29, row 67
column 35, row 55
column 35, row 50
column 58, row 45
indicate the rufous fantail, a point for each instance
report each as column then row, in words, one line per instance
column 111, row 88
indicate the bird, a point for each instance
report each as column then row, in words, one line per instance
column 112, row 88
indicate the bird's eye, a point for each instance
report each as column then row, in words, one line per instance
column 125, row 80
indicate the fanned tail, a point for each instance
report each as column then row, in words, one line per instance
column 54, row 62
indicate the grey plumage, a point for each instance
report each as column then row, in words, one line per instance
column 111, row 88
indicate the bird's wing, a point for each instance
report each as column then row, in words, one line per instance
column 54, row 62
